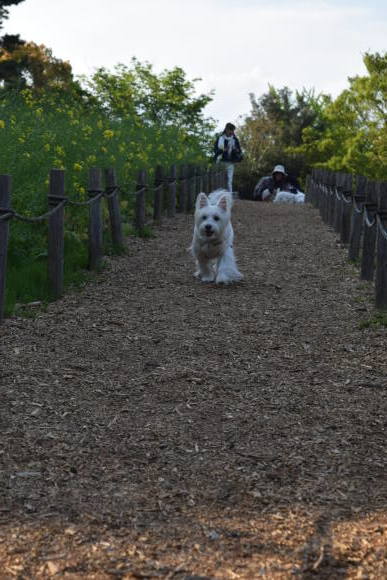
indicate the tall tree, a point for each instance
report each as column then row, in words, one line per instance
column 274, row 128
column 26, row 64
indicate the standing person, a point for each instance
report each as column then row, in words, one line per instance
column 228, row 151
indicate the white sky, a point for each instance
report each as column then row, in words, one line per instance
column 235, row 46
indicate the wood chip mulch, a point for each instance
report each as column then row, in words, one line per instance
column 156, row 427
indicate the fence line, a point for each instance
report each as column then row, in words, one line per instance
column 357, row 210
column 170, row 193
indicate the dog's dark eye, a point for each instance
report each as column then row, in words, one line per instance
column 216, row 218
column 204, row 217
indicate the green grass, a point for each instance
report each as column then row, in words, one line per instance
column 379, row 319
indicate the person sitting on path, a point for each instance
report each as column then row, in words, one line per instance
column 228, row 151
column 279, row 180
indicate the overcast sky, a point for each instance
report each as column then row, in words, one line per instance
column 235, row 46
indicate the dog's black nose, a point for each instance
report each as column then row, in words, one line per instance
column 208, row 227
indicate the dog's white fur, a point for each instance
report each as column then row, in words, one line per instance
column 286, row 197
column 213, row 236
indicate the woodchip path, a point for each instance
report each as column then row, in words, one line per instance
column 154, row 427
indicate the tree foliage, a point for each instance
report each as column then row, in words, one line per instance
column 26, row 64
column 353, row 137
column 304, row 130
column 168, row 98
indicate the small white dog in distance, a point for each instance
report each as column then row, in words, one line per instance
column 213, row 239
column 286, row 197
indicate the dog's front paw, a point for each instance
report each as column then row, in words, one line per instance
column 223, row 278
column 207, row 278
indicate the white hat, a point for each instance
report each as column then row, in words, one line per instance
column 279, row 169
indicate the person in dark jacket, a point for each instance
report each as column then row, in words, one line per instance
column 228, row 151
column 279, row 180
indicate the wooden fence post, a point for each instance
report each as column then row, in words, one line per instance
column 325, row 189
column 381, row 260
column 369, row 238
column 114, row 208
column 316, row 187
column 183, row 188
column 204, row 173
column 331, row 199
column 210, row 179
column 56, row 195
column 158, row 196
column 346, row 194
column 5, row 201
column 191, row 188
column 171, row 207
column 139, row 210
column 95, row 219
column 357, row 219
column 197, row 180
column 338, row 211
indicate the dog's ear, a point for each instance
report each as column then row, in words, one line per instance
column 201, row 201
column 223, row 202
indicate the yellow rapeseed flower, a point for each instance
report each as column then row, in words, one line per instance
column 2, row 124
column 108, row 134
column 77, row 167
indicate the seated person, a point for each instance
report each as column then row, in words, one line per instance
column 279, row 180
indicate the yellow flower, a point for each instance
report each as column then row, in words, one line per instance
column 103, row 149
column 77, row 167
column 91, row 159
column 59, row 150
column 2, row 124
column 39, row 111
column 108, row 134
column 47, row 147
column 100, row 124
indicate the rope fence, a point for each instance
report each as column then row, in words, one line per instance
column 172, row 191
column 356, row 208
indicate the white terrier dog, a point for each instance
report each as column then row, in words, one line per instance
column 213, row 238
column 286, row 197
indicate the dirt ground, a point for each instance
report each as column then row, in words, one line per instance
column 156, row 427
